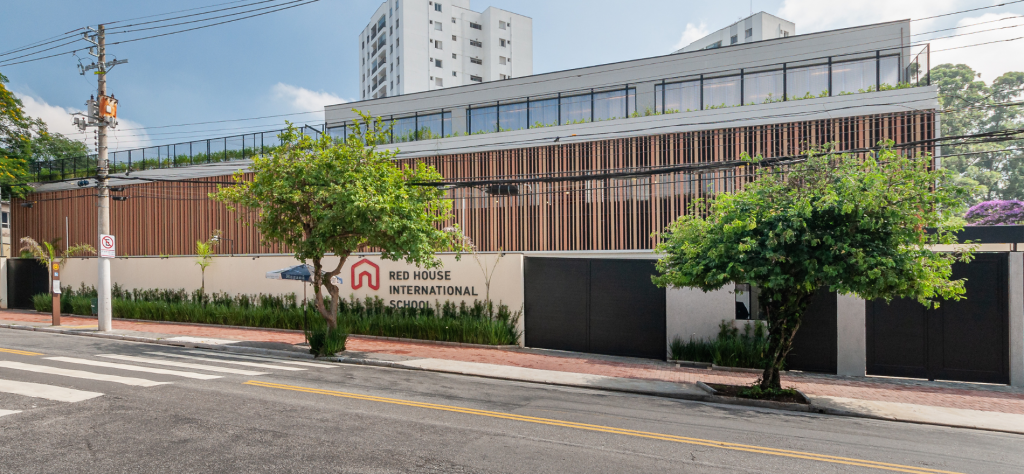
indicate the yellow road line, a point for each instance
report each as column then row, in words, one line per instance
column 608, row 429
column 24, row 353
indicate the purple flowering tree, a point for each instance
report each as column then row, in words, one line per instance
column 996, row 213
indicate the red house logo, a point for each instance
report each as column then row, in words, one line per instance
column 368, row 269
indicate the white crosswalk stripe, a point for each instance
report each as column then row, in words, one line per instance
column 134, row 368
column 264, row 359
column 233, row 362
column 185, row 365
column 9, row 412
column 49, row 392
column 81, row 374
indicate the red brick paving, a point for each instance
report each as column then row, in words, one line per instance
column 864, row 389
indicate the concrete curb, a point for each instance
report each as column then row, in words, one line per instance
column 299, row 331
column 151, row 340
column 709, row 398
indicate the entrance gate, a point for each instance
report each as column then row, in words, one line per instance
column 25, row 278
column 966, row 340
column 602, row 306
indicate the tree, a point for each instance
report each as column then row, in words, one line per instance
column 996, row 213
column 972, row 106
column 851, row 225
column 47, row 252
column 16, row 130
column 319, row 196
column 204, row 257
column 52, row 146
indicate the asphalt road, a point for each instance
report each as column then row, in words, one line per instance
column 344, row 418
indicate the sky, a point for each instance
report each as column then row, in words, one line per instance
column 300, row 59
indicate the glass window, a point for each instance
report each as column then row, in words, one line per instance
column 476, row 78
column 575, row 109
column 4, row 223
column 853, row 76
column 721, row 92
column 614, row 104
column 437, row 7
column 807, row 82
column 430, row 126
column 762, row 87
column 681, row 96
column 543, row 113
column 338, row 133
column 476, row 26
column 483, row 120
column 437, row 26
column 512, row 117
column 889, row 70
column 733, row 39
column 403, row 130
column 716, row 44
column 749, row 33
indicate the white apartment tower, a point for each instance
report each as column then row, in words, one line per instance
column 757, row 27
column 422, row 45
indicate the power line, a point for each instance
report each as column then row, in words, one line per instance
column 306, row 2
column 176, row 11
column 200, row 20
column 965, row 11
column 185, row 16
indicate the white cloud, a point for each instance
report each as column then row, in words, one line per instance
column 991, row 60
column 690, row 34
column 300, row 99
column 58, row 119
column 815, row 15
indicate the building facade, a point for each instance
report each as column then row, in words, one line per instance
column 421, row 45
column 601, row 159
column 757, row 27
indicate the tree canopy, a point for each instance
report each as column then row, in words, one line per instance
column 16, row 132
column 320, row 196
column 976, row 107
column 840, row 222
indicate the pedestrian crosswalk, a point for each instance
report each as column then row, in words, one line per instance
column 60, row 378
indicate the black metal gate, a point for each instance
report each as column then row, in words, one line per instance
column 965, row 340
column 25, row 278
column 602, row 306
column 815, row 344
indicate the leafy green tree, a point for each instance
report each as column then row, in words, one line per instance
column 319, row 196
column 975, row 107
column 16, row 131
column 54, row 146
column 834, row 221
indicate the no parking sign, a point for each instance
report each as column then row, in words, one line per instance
column 106, row 246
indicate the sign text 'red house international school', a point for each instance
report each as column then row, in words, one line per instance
column 401, row 285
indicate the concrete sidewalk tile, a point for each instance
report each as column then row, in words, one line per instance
column 958, row 417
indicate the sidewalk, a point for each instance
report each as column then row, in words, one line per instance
column 992, row 407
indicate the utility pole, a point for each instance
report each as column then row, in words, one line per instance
column 102, row 113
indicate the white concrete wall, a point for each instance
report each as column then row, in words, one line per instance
column 851, row 336
column 690, row 312
column 3, row 283
column 1016, row 306
column 238, row 275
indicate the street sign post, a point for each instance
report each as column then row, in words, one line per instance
column 107, row 246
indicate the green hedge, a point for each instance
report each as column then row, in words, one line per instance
column 730, row 349
column 478, row 323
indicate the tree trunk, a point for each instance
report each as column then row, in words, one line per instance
column 784, row 315
column 318, row 300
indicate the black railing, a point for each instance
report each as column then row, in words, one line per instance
column 199, row 152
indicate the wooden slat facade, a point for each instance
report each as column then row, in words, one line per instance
column 168, row 218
